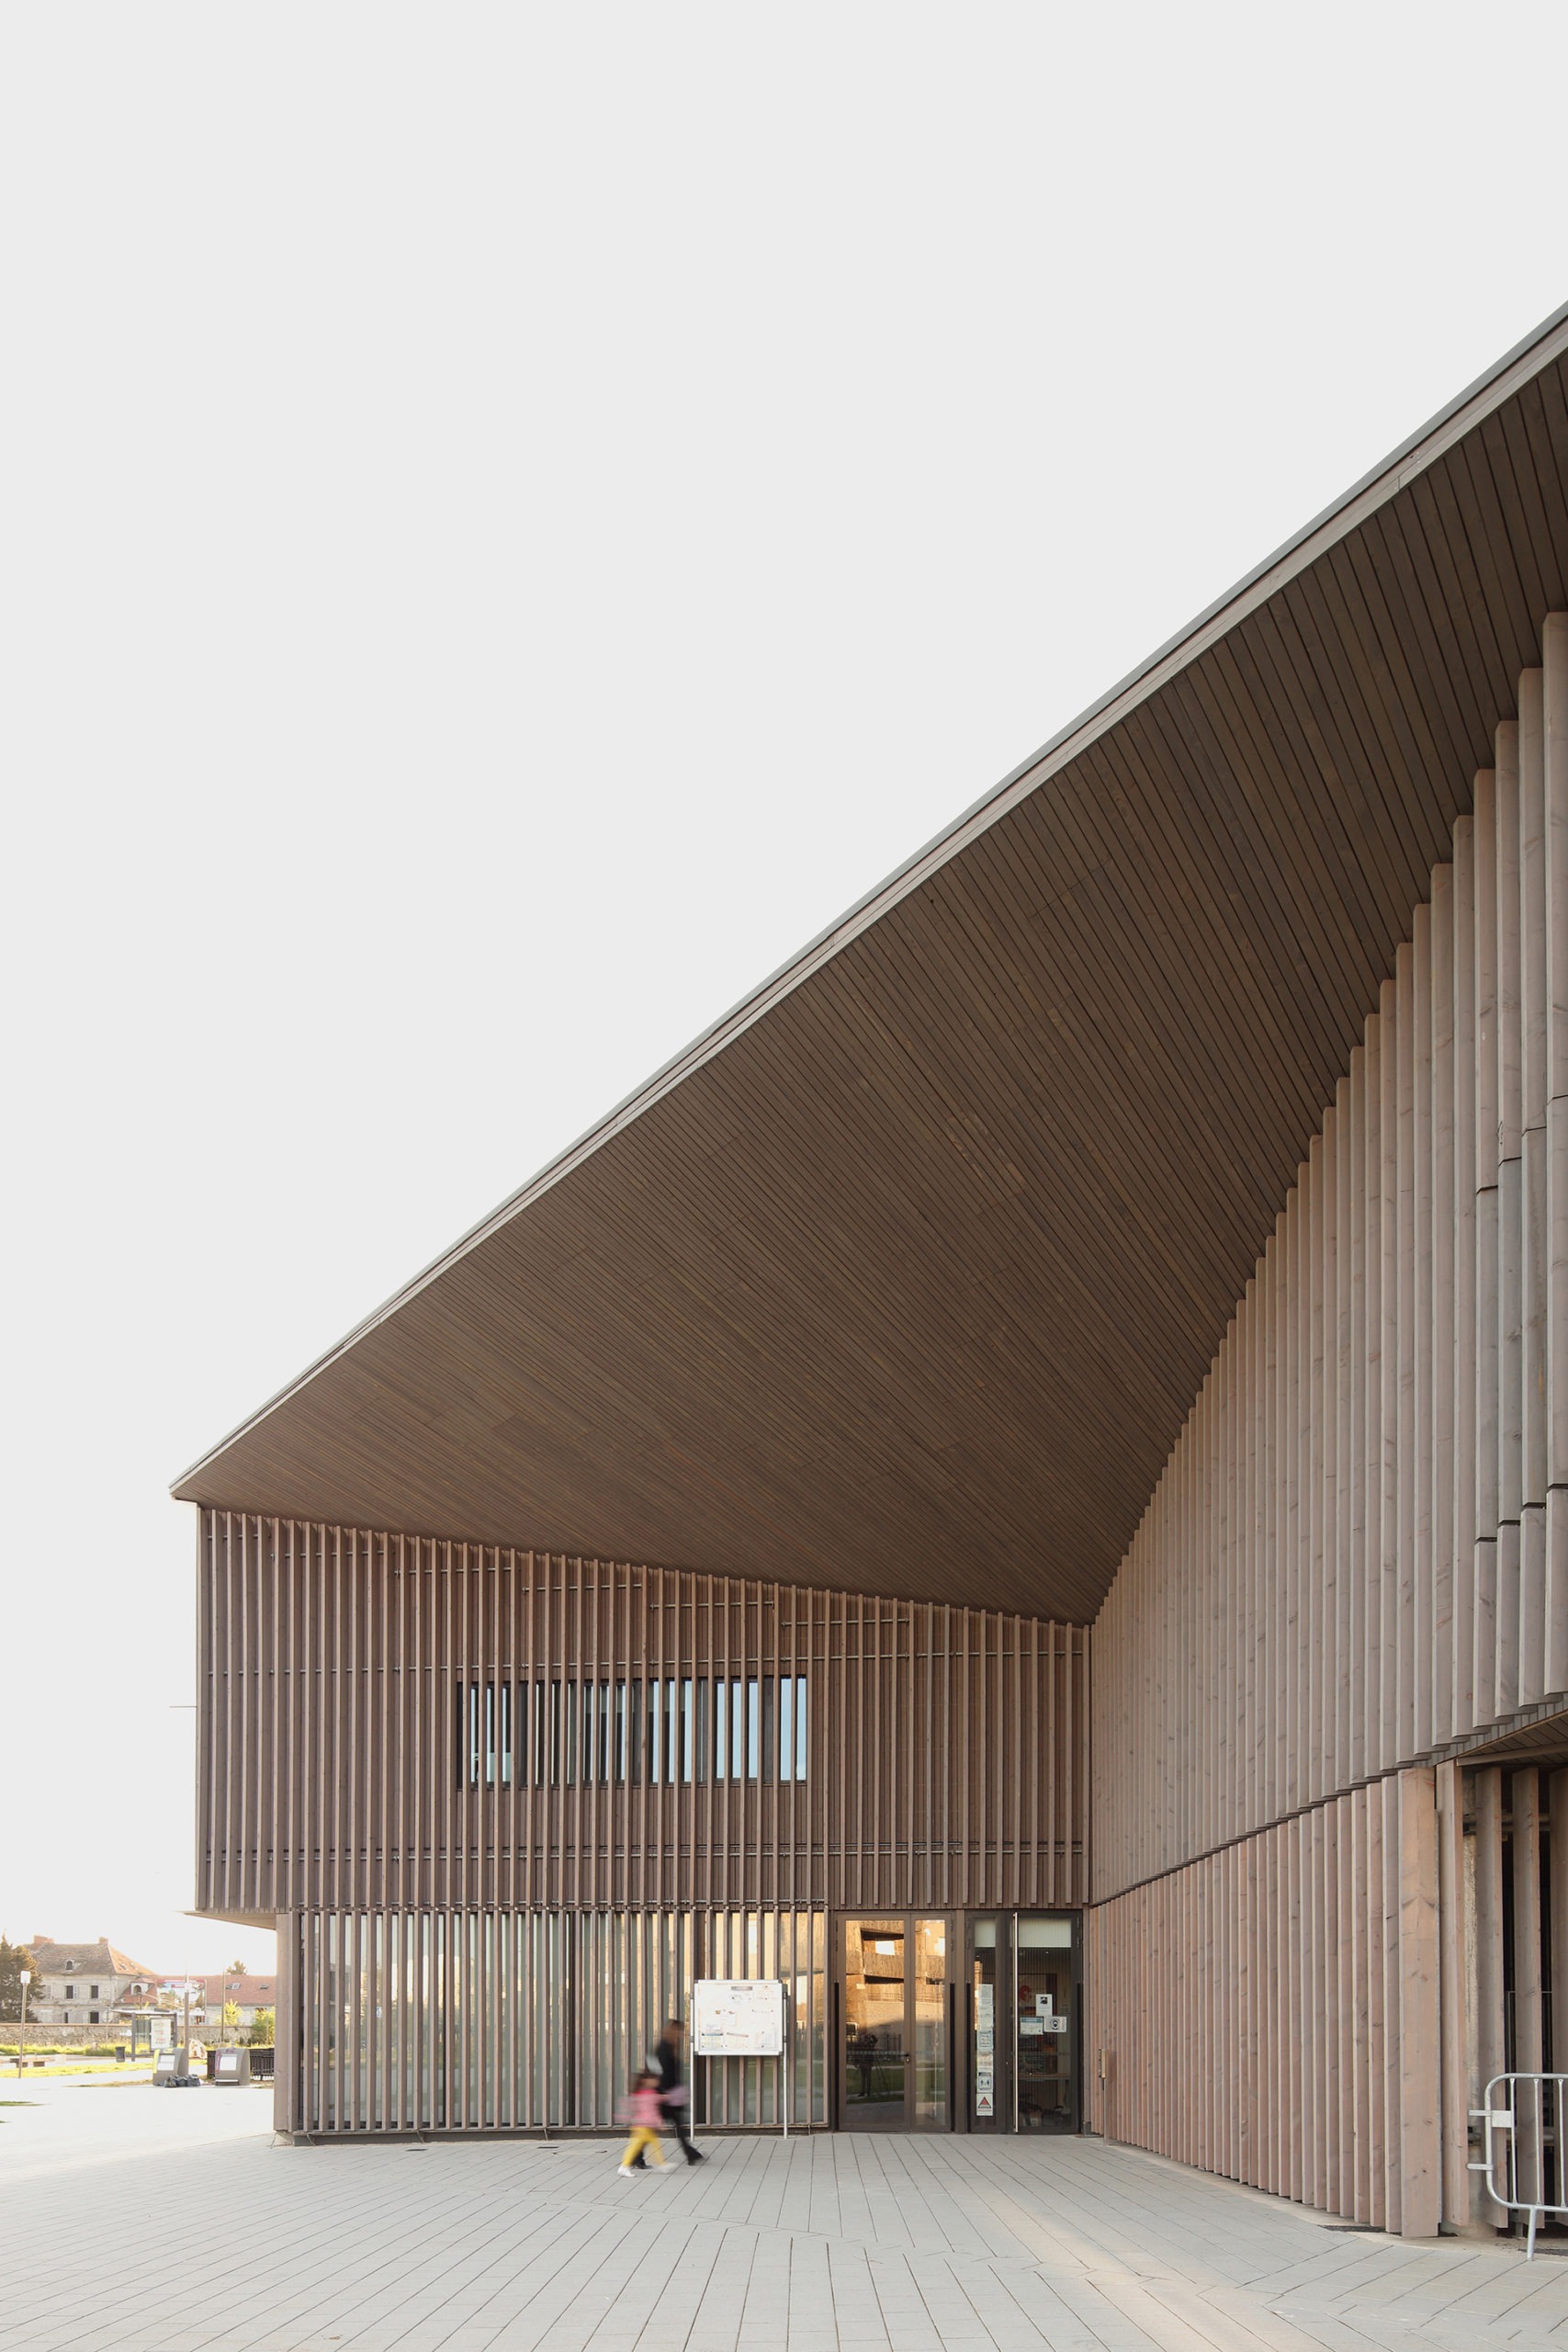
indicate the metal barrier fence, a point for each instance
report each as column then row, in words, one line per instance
column 1525, row 2160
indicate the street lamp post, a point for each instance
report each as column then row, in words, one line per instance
column 26, row 1974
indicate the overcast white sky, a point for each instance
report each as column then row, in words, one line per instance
column 511, row 518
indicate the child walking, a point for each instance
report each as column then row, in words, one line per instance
column 643, row 2112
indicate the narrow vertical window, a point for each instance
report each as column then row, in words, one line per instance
column 786, row 1727
column 738, row 1731
column 490, row 1735
column 555, row 1733
column 721, row 1731
column 671, row 1736
column 753, row 1730
column 700, row 1733
column 655, row 1745
column 503, row 1731
column 800, row 1742
column 767, row 1747
column 520, row 1743
column 590, row 1729
column 620, row 1731
column 688, row 1733
column 634, row 1732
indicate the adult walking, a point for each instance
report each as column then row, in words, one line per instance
column 674, row 2099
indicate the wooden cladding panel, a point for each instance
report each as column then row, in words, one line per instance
column 906, row 1274
column 1358, row 1551
column 947, row 1759
column 1274, row 2013
column 530, row 2021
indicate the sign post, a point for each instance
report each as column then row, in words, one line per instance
column 742, row 2017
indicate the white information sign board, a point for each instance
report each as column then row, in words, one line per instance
column 737, row 2018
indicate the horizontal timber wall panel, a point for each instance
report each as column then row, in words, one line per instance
column 1358, row 1551
column 948, row 1747
column 1272, row 2012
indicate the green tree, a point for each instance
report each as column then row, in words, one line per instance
column 14, row 1958
column 263, row 2029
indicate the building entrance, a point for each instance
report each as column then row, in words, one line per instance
column 1021, row 2021
column 896, row 2024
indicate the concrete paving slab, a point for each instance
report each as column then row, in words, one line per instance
column 131, row 2217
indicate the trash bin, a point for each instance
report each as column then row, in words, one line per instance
column 171, row 2068
column 232, row 2066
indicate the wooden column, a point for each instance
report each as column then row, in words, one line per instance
column 1532, row 1193
column 1420, row 2039
column 1485, row 1371
column 1462, row 1407
column 1490, row 2038
column 1510, row 1211
column 1453, row 1991
column 1529, row 2040
column 1554, row 764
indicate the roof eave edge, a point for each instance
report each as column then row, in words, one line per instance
column 1374, row 489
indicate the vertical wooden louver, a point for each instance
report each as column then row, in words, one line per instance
column 1358, row 1550
column 947, row 1746
column 1356, row 1561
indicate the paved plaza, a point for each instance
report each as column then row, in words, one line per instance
column 130, row 2216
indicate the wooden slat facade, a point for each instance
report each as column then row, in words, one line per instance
column 462, row 2021
column 1353, row 1576
column 1357, row 1554
column 890, row 1324
column 1272, row 2012
column 948, row 1747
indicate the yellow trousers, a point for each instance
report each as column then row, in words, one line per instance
column 644, row 2136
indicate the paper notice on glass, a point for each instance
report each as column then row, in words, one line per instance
column 984, row 1996
column 1044, row 2004
column 985, row 2040
column 983, row 2093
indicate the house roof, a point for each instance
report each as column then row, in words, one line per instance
column 904, row 1275
column 93, row 1955
column 246, row 1991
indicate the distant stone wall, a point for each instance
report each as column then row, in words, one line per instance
column 66, row 2037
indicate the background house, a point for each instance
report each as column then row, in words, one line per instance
column 250, row 1996
column 86, row 1982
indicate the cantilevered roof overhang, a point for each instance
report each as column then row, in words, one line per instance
column 904, row 1276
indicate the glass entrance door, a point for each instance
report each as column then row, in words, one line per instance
column 895, row 2014
column 1021, row 2025
column 1046, row 2044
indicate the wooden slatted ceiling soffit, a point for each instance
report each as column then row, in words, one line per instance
column 906, row 1277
